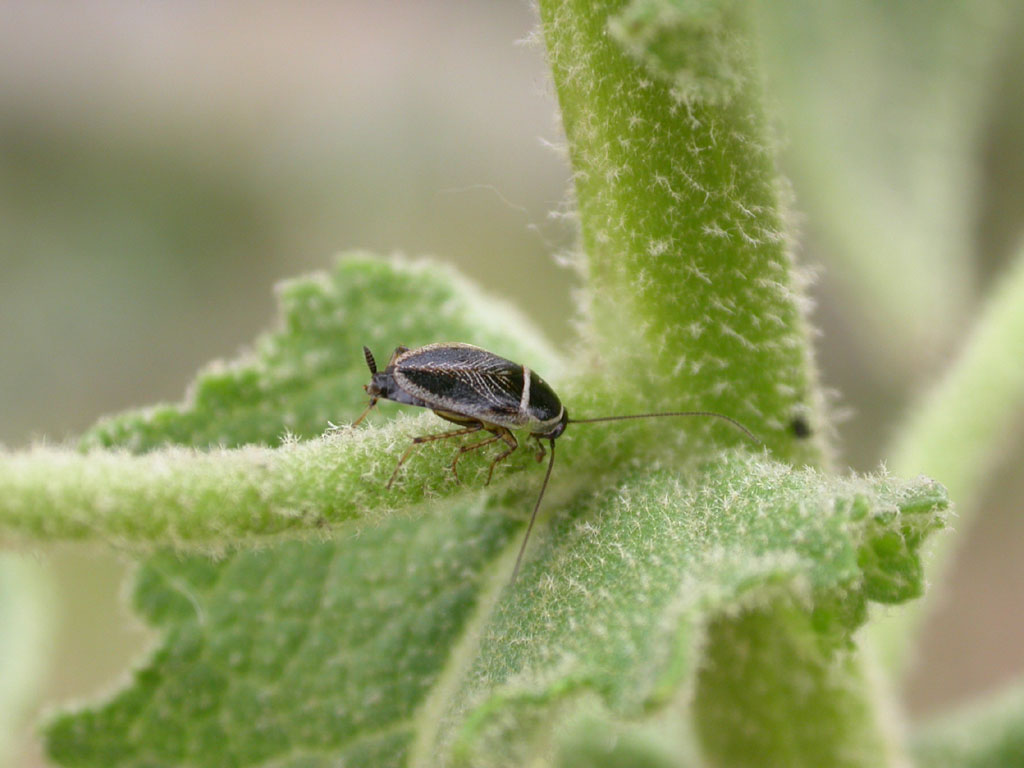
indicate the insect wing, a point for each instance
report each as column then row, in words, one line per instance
column 464, row 379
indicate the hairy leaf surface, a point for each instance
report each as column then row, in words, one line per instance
column 405, row 645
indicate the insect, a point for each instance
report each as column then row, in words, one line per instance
column 480, row 391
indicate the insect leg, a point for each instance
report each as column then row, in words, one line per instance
column 373, row 402
column 429, row 438
column 512, row 444
column 466, row 449
column 541, row 451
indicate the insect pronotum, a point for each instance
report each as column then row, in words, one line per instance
column 478, row 390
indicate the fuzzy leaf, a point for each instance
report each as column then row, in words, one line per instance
column 405, row 642
column 693, row 289
column 298, row 378
column 654, row 588
column 301, row 654
column 393, row 647
column 207, row 500
column 310, row 371
column 668, row 581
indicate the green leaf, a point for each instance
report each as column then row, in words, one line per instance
column 296, row 381
column 655, row 588
column 698, row 602
column 590, row 740
column 693, row 289
column 303, row 654
column 209, row 500
column 310, row 369
column 309, row 372
column 405, row 642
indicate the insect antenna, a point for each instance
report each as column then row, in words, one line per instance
column 533, row 517
column 551, row 461
column 722, row 416
column 372, row 365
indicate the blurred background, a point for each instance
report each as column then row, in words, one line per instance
column 162, row 166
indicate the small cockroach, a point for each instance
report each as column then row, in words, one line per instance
column 478, row 390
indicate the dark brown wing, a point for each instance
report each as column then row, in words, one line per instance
column 466, row 380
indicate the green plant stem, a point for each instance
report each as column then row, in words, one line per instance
column 26, row 616
column 782, row 652
column 694, row 302
column 693, row 295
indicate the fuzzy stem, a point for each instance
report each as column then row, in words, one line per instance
column 694, row 301
column 694, row 296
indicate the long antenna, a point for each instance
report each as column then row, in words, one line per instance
column 729, row 419
column 551, row 461
column 533, row 517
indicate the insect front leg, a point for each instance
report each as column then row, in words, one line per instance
column 541, row 450
column 430, row 438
